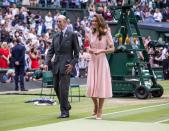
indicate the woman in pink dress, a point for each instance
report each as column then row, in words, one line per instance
column 99, row 84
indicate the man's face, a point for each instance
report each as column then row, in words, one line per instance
column 61, row 23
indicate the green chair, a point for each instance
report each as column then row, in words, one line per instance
column 47, row 81
column 71, row 91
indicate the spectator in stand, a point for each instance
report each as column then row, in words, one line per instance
column 34, row 55
column 49, row 3
column 166, row 14
column 146, row 41
column 84, row 22
column 55, row 18
column 27, row 61
column 5, row 3
column 9, row 15
column 82, row 32
column 149, row 18
column 92, row 11
column 108, row 15
column 32, row 35
column 83, row 4
column 42, row 3
column 4, row 33
column 120, row 2
column 26, row 3
column 77, row 24
column 100, row 9
column 33, row 2
column 167, row 3
column 64, row 3
column 8, row 77
column 165, row 63
column 157, row 15
column 83, row 62
column 72, row 3
column 4, row 55
column 69, row 25
column 16, row 20
column 40, row 28
column 14, row 10
column 159, row 4
column 79, row 36
column 1, row 15
column 57, row 3
column 49, row 21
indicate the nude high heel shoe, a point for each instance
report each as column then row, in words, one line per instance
column 99, row 115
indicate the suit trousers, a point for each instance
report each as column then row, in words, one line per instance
column 61, row 87
column 19, row 76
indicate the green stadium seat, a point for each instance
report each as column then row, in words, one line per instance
column 71, row 91
column 47, row 81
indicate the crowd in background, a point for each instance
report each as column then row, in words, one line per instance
column 35, row 32
column 149, row 10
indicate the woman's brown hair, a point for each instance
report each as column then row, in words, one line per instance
column 102, row 26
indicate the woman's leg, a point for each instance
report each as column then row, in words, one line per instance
column 95, row 105
column 100, row 107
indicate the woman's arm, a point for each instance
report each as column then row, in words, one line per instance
column 6, row 58
column 109, row 50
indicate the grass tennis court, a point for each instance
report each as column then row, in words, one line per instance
column 14, row 113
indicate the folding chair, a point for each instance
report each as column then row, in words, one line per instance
column 71, row 92
column 47, row 81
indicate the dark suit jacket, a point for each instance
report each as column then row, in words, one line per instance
column 66, row 52
column 18, row 54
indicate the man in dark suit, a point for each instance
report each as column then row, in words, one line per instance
column 18, row 58
column 65, row 47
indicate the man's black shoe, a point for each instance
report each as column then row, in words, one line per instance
column 70, row 107
column 24, row 90
column 63, row 116
column 16, row 89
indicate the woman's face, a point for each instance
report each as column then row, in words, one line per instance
column 4, row 45
column 94, row 23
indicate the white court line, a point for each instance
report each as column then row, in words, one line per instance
column 131, row 110
column 162, row 121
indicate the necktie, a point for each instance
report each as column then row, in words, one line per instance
column 61, row 37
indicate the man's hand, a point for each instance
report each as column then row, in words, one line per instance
column 46, row 67
column 69, row 68
column 17, row 63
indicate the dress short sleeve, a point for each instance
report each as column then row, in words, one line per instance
column 109, row 38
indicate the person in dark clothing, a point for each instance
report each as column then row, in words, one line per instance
column 18, row 58
column 65, row 47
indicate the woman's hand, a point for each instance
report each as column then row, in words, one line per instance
column 8, row 61
column 90, row 50
column 98, row 52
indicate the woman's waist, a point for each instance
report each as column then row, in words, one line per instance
column 99, row 56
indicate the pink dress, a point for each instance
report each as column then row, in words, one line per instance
column 99, row 79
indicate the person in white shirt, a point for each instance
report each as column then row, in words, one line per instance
column 14, row 10
column 157, row 15
column 49, row 20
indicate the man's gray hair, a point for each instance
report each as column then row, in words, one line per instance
column 62, row 17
